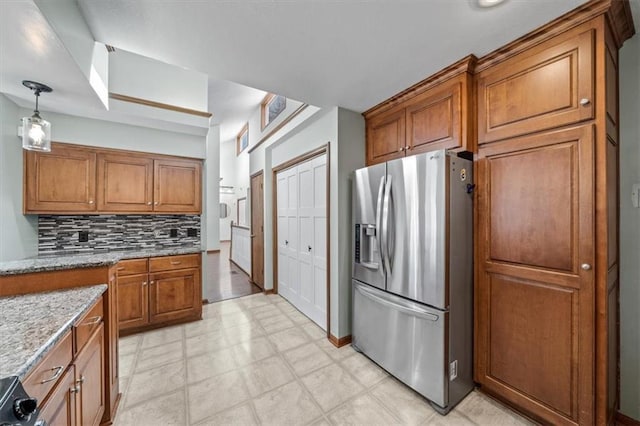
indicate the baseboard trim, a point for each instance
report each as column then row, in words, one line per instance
column 213, row 251
column 269, row 291
column 339, row 342
column 623, row 420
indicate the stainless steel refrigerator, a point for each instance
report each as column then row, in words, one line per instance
column 413, row 272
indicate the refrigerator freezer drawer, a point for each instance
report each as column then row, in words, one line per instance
column 407, row 339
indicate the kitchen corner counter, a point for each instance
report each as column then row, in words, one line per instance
column 31, row 324
column 71, row 260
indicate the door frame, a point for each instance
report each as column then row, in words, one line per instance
column 324, row 149
column 256, row 174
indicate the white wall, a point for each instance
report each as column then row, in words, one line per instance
column 18, row 233
column 629, row 229
column 212, row 189
column 107, row 134
column 135, row 75
column 228, row 175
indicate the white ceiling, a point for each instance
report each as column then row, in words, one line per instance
column 350, row 53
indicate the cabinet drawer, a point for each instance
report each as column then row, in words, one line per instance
column 132, row 267
column 45, row 375
column 85, row 326
column 60, row 406
column 542, row 88
column 169, row 263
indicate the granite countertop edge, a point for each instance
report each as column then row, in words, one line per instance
column 33, row 360
column 62, row 261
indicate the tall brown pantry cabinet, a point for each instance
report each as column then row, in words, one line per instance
column 547, row 218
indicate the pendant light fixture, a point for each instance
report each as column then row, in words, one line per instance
column 36, row 132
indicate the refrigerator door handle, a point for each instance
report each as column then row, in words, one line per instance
column 385, row 225
column 381, row 188
column 405, row 309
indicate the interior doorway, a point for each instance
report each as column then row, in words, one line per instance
column 257, row 229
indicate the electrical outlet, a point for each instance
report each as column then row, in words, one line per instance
column 192, row 232
column 83, row 236
column 173, row 233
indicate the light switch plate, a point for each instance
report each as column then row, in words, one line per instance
column 635, row 195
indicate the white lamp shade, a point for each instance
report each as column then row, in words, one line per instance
column 36, row 134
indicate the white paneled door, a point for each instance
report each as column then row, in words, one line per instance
column 302, row 237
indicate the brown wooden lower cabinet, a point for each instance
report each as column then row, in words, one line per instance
column 167, row 293
column 90, row 381
column 60, row 408
column 534, row 294
column 78, row 398
column 133, row 305
column 173, row 295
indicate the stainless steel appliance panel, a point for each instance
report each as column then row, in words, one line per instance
column 414, row 228
column 407, row 339
column 368, row 192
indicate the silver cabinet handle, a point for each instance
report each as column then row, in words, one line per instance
column 58, row 371
column 92, row 321
column 121, row 268
column 585, row 266
column 584, row 101
column 252, row 236
column 379, row 220
column 175, row 262
column 385, row 224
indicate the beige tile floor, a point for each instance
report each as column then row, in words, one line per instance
column 257, row 360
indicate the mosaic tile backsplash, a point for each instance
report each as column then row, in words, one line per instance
column 116, row 232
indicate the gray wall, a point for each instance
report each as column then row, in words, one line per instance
column 629, row 228
column 18, row 233
column 344, row 131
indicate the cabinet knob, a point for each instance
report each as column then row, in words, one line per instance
column 144, row 283
column 584, row 101
column 90, row 201
column 286, row 242
column 585, row 266
column 407, row 147
column 309, row 248
column 401, row 149
column 151, row 282
column 74, row 389
column 148, row 203
column 80, row 380
column 156, row 203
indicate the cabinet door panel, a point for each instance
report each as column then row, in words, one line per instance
column 59, row 409
column 132, row 301
column 90, row 371
column 177, row 186
column 386, row 137
column 433, row 121
column 538, row 89
column 174, row 295
column 62, row 180
column 125, row 183
column 534, row 301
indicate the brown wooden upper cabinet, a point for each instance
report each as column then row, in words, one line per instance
column 60, row 181
column 434, row 114
column 125, row 183
column 541, row 88
column 177, row 186
column 77, row 179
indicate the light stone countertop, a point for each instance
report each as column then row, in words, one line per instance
column 72, row 260
column 31, row 324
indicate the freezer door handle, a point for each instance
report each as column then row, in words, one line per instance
column 379, row 221
column 370, row 265
column 398, row 307
column 385, row 225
